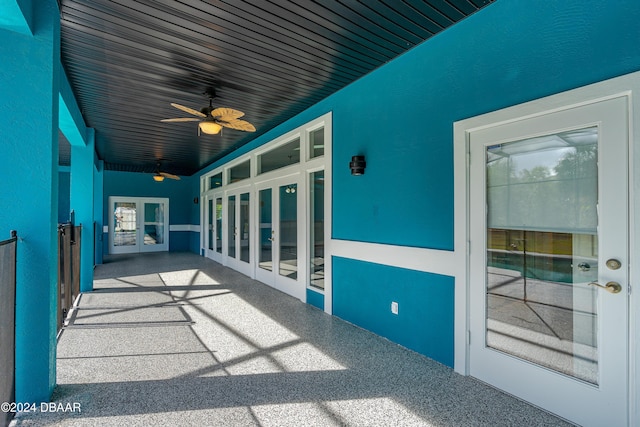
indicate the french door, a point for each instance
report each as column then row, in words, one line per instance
column 548, row 294
column 138, row 224
column 280, row 212
column 213, row 227
column 237, row 229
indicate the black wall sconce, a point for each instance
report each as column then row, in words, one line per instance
column 195, row 200
column 357, row 165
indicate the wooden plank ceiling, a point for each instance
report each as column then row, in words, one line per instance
column 128, row 60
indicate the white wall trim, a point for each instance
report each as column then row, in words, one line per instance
column 419, row 259
column 184, row 227
column 172, row 227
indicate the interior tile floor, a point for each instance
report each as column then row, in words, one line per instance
column 177, row 339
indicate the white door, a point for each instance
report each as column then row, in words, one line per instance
column 548, row 269
column 280, row 233
column 238, row 212
column 138, row 224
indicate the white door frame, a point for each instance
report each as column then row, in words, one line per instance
column 296, row 288
column 235, row 262
column 627, row 86
column 139, row 246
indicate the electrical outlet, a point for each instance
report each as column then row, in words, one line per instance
column 394, row 307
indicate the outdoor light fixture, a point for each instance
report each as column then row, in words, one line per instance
column 158, row 178
column 357, row 165
column 209, row 126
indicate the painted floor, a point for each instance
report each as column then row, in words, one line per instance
column 177, row 339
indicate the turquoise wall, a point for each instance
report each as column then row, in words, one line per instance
column 363, row 292
column 181, row 203
column 64, row 199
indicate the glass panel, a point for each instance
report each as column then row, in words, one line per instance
column 231, row 226
column 240, row 172
column 215, row 181
column 210, row 224
column 124, row 218
column 316, row 143
column 542, row 251
column 244, row 227
column 288, row 235
column 284, row 155
column 153, row 223
column 265, row 260
column 316, row 250
column 219, row 225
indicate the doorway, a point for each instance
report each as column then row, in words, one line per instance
column 138, row 224
column 549, row 260
column 281, row 232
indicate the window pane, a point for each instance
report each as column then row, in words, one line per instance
column 124, row 218
column 231, row 223
column 316, row 143
column 240, row 172
column 289, row 231
column 244, row 227
column 285, row 155
column 542, row 251
column 215, row 181
column 266, row 232
column 153, row 223
column 316, row 249
column 219, row 225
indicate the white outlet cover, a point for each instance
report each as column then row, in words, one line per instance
column 394, row 307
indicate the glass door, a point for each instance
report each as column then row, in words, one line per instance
column 548, row 287
column 281, row 230
column 213, row 227
column 238, row 231
column 138, row 225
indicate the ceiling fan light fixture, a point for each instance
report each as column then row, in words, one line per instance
column 210, row 127
column 158, row 178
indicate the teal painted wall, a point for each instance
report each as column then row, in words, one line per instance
column 363, row 292
column 64, row 199
column 315, row 299
column 181, row 204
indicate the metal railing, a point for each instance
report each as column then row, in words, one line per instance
column 69, row 240
column 7, row 323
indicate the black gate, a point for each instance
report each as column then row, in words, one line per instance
column 7, row 323
column 69, row 238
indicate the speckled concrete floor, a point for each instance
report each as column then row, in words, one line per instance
column 177, row 339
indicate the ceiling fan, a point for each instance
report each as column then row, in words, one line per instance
column 212, row 120
column 159, row 175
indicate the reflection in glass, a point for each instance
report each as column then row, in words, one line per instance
column 215, row 181
column 231, row 227
column 244, row 227
column 153, row 223
column 265, row 260
column 288, row 235
column 210, row 223
column 542, row 248
column 125, row 224
column 316, row 143
column 219, row 225
column 316, row 249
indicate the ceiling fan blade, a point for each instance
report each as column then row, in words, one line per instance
column 238, row 125
column 188, row 110
column 226, row 114
column 181, row 119
column 169, row 175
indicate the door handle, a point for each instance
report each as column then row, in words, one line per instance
column 611, row 287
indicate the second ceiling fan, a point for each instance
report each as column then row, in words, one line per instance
column 212, row 120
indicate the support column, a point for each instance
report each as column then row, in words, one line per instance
column 98, row 204
column 82, row 204
column 29, row 186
